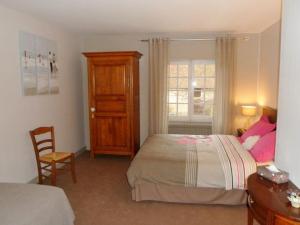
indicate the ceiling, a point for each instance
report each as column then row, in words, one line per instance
column 153, row 16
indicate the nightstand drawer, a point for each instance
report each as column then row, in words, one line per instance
column 282, row 221
column 268, row 203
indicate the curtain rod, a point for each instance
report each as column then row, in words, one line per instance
column 194, row 39
column 186, row 39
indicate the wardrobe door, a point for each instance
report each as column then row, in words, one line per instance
column 109, row 97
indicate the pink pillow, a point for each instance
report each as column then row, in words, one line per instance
column 259, row 128
column 264, row 149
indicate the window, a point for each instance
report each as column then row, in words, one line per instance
column 191, row 90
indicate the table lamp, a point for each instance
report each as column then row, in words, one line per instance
column 249, row 111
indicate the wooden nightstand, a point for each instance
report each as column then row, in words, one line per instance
column 240, row 131
column 268, row 203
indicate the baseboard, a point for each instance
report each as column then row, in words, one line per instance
column 78, row 153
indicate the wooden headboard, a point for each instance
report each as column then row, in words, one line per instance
column 270, row 113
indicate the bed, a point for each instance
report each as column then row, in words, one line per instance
column 192, row 169
column 31, row 204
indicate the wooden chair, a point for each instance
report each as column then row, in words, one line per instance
column 47, row 162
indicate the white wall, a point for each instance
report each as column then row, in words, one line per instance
column 267, row 92
column 288, row 141
column 247, row 71
column 19, row 114
column 179, row 50
column 258, row 71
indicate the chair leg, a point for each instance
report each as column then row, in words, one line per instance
column 53, row 173
column 40, row 175
column 73, row 168
column 40, row 179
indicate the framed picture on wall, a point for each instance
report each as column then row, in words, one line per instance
column 39, row 70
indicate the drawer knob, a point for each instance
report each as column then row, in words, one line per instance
column 250, row 200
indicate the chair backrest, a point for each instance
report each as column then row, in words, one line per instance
column 42, row 144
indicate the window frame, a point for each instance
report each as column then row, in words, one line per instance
column 191, row 117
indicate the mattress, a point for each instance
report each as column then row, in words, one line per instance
column 31, row 204
column 212, row 165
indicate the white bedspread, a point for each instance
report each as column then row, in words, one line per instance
column 31, row 204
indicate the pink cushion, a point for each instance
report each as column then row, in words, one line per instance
column 264, row 149
column 259, row 128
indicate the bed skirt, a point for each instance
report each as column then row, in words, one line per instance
column 143, row 191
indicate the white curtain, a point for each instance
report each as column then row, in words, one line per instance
column 158, row 80
column 224, row 87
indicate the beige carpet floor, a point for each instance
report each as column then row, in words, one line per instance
column 102, row 196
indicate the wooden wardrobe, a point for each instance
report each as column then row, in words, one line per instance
column 114, row 114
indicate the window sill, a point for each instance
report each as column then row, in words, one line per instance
column 190, row 127
column 190, row 123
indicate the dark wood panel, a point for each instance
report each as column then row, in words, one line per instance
column 110, row 79
column 113, row 55
column 270, row 113
column 282, row 221
column 111, row 131
column 111, row 106
column 103, row 131
column 120, row 132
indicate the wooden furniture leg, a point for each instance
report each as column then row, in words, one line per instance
column 270, row 218
column 53, row 173
column 73, row 167
column 92, row 155
column 250, row 218
column 40, row 175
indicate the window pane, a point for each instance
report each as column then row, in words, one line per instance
column 198, row 109
column 199, row 83
column 172, row 96
column 183, row 70
column 208, row 110
column 182, row 109
column 209, row 97
column 183, row 96
column 210, row 70
column 201, row 88
column 183, row 83
column 198, row 96
column 172, row 109
column 199, row 70
column 172, row 83
column 173, row 70
column 210, row 83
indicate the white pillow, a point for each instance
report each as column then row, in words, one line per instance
column 250, row 142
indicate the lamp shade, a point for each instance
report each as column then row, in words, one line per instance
column 248, row 110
